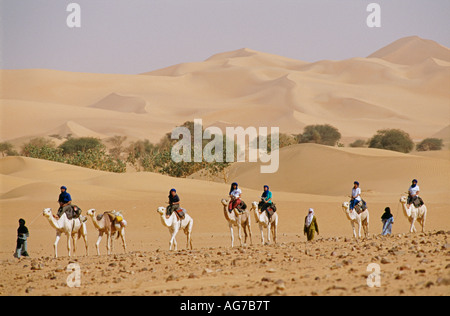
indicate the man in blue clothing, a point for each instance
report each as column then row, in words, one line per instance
column 65, row 201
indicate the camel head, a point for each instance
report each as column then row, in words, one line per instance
column 254, row 205
column 161, row 210
column 345, row 206
column 91, row 212
column 224, row 202
column 47, row 212
column 403, row 199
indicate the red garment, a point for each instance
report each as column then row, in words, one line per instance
column 232, row 205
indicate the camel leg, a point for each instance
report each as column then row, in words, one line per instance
column 366, row 225
column 413, row 227
column 55, row 244
column 97, row 244
column 188, row 240
column 359, row 228
column 261, row 229
column 175, row 243
column 108, row 243
column 86, row 243
column 423, row 222
column 74, row 241
column 244, row 228
column 354, row 230
column 112, row 241
column 240, row 234
column 250, row 231
column 274, row 233
column 172, row 237
column 232, row 235
column 68, row 244
column 122, row 236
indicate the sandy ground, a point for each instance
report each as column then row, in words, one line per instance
column 409, row 265
column 334, row 264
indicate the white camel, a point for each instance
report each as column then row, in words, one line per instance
column 361, row 219
column 175, row 224
column 70, row 227
column 414, row 214
column 263, row 221
column 104, row 225
column 240, row 220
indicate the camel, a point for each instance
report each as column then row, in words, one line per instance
column 362, row 219
column 175, row 224
column 414, row 214
column 70, row 227
column 104, row 225
column 263, row 221
column 240, row 220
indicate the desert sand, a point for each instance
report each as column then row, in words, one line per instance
column 238, row 88
column 333, row 264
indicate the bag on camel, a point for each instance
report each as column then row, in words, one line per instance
column 181, row 212
column 271, row 209
column 361, row 206
column 418, row 202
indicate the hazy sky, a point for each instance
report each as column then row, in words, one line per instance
column 135, row 36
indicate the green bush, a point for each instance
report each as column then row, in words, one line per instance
column 7, row 149
column 392, row 139
column 320, row 134
column 74, row 145
column 358, row 143
column 94, row 158
column 430, row 144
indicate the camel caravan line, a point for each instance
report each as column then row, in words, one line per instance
column 111, row 223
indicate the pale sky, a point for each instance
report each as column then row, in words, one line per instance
column 135, row 36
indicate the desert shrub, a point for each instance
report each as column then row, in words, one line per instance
column 97, row 159
column 320, row 134
column 7, row 149
column 116, row 142
column 392, row 139
column 284, row 140
column 74, row 145
column 158, row 157
column 430, row 144
column 139, row 150
column 358, row 143
column 94, row 158
column 42, row 148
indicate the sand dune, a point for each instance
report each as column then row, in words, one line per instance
column 120, row 103
column 412, row 50
column 243, row 87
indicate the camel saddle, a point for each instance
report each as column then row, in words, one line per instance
column 180, row 212
column 361, row 207
column 270, row 210
column 417, row 202
column 111, row 214
column 72, row 211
